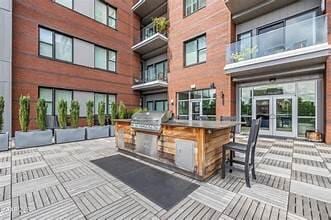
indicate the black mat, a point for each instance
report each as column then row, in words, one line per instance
column 161, row 188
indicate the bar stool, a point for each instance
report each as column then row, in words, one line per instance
column 248, row 149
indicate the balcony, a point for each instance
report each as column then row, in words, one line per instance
column 300, row 44
column 151, row 80
column 243, row 10
column 148, row 9
column 151, row 43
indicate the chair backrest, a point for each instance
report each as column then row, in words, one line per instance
column 228, row 118
column 252, row 139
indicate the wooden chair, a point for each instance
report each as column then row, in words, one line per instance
column 248, row 149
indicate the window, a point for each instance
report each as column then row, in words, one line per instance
column 53, row 96
column 112, row 17
column 100, row 58
column 66, row 3
column 55, row 45
column 47, row 95
column 245, row 43
column 150, row 106
column 192, row 6
column 196, row 51
column 46, row 43
column 65, row 95
column 193, row 104
column 105, row 14
column 111, row 99
column 161, row 105
column 98, row 98
column 105, row 59
column 63, row 47
column 157, row 71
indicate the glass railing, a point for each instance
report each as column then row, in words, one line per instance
column 291, row 37
column 150, row 76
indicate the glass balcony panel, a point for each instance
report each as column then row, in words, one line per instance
column 296, row 34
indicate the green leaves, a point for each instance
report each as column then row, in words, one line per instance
column 41, row 112
column 89, row 113
column 24, row 112
column 101, row 113
column 62, row 113
column 74, row 114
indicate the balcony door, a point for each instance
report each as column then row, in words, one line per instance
column 277, row 113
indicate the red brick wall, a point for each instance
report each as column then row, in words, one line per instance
column 31, row 71
column 214, row 20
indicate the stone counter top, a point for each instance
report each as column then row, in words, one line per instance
column 216, row 125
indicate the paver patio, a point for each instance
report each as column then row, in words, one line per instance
column 60, row 182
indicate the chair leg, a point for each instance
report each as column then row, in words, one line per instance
column 248, row 184
column 253, row 171
column 223, row 163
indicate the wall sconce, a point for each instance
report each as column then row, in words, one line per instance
column 172, row 102
column 222, row 97
column 212, row 85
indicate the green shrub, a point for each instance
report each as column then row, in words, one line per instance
column 161, row 24
column 41, row 112
column 62, row 109
column 89, row 113
column 101, row 113
column 113, row 112
column 2, row 109
column 74, row 114
column 122, row 111
column 24, row 113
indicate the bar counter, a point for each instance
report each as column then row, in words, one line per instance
column 192, row 148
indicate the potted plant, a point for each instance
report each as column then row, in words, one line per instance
column 74, row 133
column 4, row 137
column 161, row 25
column 113, row 110
column 122, row 113
column 34, row 138
column 101, row 131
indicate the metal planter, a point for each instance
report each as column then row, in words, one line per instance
column 69, row 135
column 112, row 130
column 33, row 138
column 4, row 141
column 97, row 132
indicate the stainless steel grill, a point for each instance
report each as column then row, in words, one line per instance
column 149, row 121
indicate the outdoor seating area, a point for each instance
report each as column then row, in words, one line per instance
column 68, row 181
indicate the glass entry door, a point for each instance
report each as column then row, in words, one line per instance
column 277, row 113
column 195, row 110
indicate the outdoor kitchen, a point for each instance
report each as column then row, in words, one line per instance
column 193, row 148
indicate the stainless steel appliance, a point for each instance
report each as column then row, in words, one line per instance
column 148, row 127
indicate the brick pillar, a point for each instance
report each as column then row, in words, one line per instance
column 328, row 101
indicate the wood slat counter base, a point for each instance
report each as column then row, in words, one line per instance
column 207, row 152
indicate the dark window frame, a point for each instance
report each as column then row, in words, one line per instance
column 193, row 12
column 107, row 16
column 72, row 97
column 163, row 101
column 153, row 105
column 197, row 49
column 54, row 45
column 107, row 58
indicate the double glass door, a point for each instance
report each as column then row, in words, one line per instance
column 277, row 113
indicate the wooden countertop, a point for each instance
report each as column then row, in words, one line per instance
column 122, row 120
column 216, row 125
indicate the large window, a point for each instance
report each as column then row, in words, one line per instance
column 193, row 105
column 55, row 45
column 192, row 6
column 105, row 14
column 66, row 3
column 157, row 71
column 105, row 59
column 161, row 105
column 52, row 97
column 196, row 51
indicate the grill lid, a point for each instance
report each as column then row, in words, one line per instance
column 150, row 121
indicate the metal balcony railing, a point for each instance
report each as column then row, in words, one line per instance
column 298, row 35
column 150, row 76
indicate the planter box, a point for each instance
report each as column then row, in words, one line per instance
column 69, row 135
column 4, row 141
column 97, row 132
column 112, row 130
column 33, row 138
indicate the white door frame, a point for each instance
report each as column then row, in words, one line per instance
column 272, row 115
column 190, row 108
